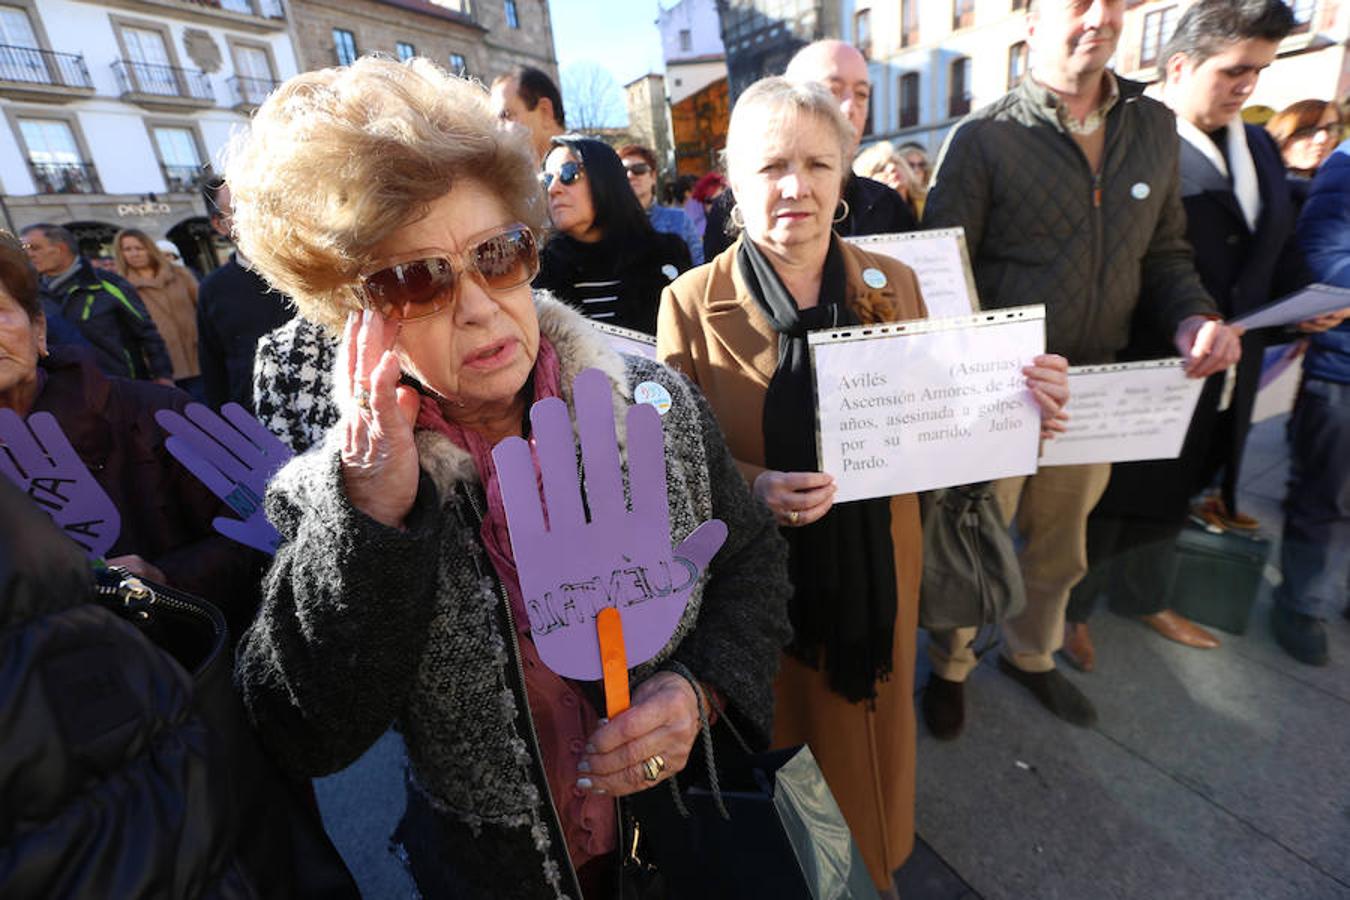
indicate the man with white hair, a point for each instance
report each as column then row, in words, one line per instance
column 867, row 206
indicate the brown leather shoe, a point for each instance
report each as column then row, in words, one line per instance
column 1176, row 627
column 1213, row 513
column 1078, row 649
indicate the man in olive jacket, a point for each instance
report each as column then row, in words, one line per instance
column 1068, row 190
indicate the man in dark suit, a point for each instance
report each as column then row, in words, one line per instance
column 235, row 307
column 869, row 207
column 1240, row 220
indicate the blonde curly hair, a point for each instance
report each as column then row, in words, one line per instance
column 338, row 159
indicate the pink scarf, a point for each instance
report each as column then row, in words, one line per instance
column 547, row 377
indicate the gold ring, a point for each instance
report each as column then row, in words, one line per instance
column 794, row 517
column 362, row 398
column 653, row 767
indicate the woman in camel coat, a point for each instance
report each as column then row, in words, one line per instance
column 737, row 327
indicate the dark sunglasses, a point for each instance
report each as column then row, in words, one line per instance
column 500, row 259
column 638, row 168
column 568, row 173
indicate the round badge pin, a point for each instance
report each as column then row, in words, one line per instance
column 874, row 278
column 669, row 271
column 1140, row 191
column 653, row 394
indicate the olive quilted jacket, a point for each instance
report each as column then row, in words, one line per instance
column 1043, row 228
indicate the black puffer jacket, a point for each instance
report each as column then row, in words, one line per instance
column 113, row 319
column 1043, row 228
column 123, row 774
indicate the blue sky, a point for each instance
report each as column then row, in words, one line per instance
column 620, row 36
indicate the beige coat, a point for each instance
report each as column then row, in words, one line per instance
column 711, row 329
column 171, row 297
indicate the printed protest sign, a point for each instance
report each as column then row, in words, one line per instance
column 940, row 260
column 932, row 403
column 1309, row 303
column 626, row 340
column 1125, row 412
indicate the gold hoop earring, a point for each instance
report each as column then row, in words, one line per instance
column 736, row 216
column 843, row 215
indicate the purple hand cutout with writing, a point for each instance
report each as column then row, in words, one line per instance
column 234, row 456
column 572, row 568
column 42, row 462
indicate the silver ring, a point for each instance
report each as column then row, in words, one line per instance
column 362, row 398
column 653, row 767
column 794, row 517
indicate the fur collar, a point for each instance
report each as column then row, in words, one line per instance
column 580, row 347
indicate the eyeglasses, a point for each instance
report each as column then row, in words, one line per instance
column 569, row 173
column 637, row 168
column 500, row 259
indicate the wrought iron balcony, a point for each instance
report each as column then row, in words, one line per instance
column 250, row 92
column 31, row 74
column 182, row 179
column 153, row 85
column 65, row 178
column 271, row 10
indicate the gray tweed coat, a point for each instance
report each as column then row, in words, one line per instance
column 364, row 626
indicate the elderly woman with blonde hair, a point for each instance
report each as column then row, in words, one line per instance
column 738, row 328
column 882, row 162
column 384, row 195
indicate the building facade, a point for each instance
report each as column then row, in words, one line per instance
column 932, row 61
column 760, row 36
column 479, row 39
column 113, row 108
column 691, row 46
column 696, row 83
column 649, row 117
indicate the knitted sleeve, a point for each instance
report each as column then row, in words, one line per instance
column 327, row 665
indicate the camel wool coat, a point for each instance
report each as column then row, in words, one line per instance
column 171, row 297
column 712, row 330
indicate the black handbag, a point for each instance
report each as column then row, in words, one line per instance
column 970, row 573
column 768, row 829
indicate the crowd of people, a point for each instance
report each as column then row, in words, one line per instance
column 417, row 263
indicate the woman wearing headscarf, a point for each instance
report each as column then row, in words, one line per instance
column 385, row 195
column 738, row 328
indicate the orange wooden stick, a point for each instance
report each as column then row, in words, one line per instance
column 613, row 660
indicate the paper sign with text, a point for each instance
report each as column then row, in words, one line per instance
column 927, row 404
column 940, row 260
column 626, row 340
column 1313, row 301
column 1125, row 412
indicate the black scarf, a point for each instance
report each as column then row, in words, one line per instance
column 843, row 566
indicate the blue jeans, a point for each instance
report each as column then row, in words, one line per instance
column 1316, row 551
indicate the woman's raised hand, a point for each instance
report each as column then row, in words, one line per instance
column 1048, row 379
column 379, row 458
column 795, row 498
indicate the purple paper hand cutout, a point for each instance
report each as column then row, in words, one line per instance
column 234, row 456
column 43, row 463
column 572, row 568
